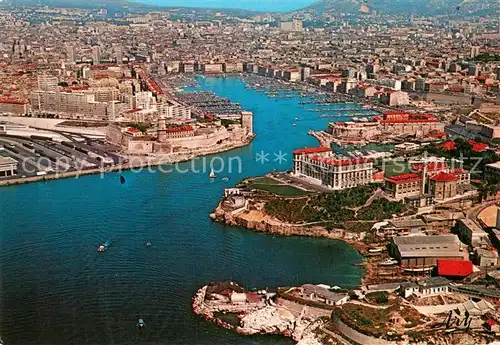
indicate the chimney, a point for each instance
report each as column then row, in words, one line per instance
column 424, row 178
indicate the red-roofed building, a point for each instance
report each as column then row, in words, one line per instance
column 449, row 145
column 176, row 132
column 311, row 150
column 403, row 186
column 318, row 165
column 492, row 326
column 443, row 185
column 478, row 147
column 432, row 167
column 412, row 124
column 13, row 106
column 454, row 268
column 134, row 132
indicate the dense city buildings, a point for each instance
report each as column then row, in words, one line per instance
column 403, row 98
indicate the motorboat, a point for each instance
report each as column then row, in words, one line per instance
column 141, row 323
column 225, row 178
column 389, row 262
column 103, row 246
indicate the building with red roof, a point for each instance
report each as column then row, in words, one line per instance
column 402, row 122
column 310, row 150
column 13, row 106
column 478, row 147
column 318, row 165
column 449, row 145
column 454, row 268
column 443, row 185
column 134, row 132
column 404, row 185
column 492, row 326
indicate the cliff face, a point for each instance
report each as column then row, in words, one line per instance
column 259, row 221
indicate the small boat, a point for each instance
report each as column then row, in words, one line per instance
column 148, row 244
column 122, row 179
column 212, row 174
column 225, row 178
column 103, row 246
column 389, row 262
column 294, row 124
column 141, row 323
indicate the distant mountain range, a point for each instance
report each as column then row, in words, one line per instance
column 419, row 7
column 76, row 3
column 408, row 6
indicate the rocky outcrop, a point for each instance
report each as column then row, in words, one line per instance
column 259, row 221
column 269, row 320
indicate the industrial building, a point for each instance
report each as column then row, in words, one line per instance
column 420, row 253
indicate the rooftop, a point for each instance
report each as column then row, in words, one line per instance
column 309, row 150
column 454, row 268
column 404, row 178
column 7, row 160
column 428, row 246
column 341, row 162
column 444, row 177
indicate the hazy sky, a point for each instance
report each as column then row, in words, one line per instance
column 258, row 5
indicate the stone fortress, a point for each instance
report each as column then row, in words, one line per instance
column 168, row 137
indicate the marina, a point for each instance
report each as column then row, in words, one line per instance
column 209, row 103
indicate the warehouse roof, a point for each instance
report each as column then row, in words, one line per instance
column 428, row 246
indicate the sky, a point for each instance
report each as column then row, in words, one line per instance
column 256, row 5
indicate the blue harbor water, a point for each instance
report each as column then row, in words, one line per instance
column 263, row 5
column 55, row 288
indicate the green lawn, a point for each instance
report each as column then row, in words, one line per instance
column 273, row 186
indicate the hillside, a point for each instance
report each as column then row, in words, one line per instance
column 77, row 4
column 407, row 6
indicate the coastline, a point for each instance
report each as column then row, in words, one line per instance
column 145, row 162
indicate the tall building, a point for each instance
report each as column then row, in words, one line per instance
column 294, row 25
column 305, row 72
column 474, row 51
column 318, row 165
column 173, row 112
column 47, row 82
column 86, row 73
column 119, row 55
column 96, row 55
column 71, row 105
column 71, row 54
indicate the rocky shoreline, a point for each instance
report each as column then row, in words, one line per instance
column 267, row 224
column 256, row 317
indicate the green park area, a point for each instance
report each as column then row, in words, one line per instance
column 334, row 208
column 275, row 187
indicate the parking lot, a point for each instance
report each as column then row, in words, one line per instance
column 37, row 157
